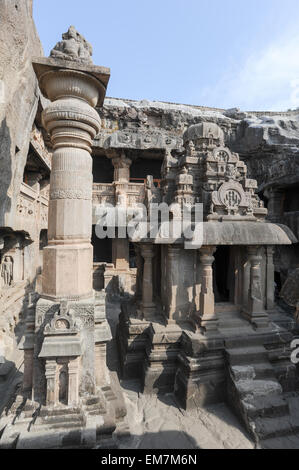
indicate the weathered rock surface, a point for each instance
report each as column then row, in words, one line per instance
column 19, row 93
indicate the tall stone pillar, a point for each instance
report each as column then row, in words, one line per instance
column 120, row 246
column 173, row 276
column 255, row 305
column 269, row 278
column 208, row 318
column 275, row 204
column 72, row 124
column 65, row 313
column 148, row 306
column 139, row 264
column 197, row 285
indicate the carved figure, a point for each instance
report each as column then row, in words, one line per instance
column 73, row 47
column 7, row 271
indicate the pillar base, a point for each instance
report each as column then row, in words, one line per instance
column 67, row 274
column 149, row 311
column 258, row 320
column 64, row 333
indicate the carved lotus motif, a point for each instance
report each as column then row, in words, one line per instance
column 230, row 196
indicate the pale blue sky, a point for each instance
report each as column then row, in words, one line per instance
column 221, row 53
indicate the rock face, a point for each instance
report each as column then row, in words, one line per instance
column 18, row 99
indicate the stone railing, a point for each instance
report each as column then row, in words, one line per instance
column 32, row 210
column 136, row 193
column 105, row 193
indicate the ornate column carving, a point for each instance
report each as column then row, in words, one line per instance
column 255, row 306
column 208, row 318
column 148, row 306
column 72, row 123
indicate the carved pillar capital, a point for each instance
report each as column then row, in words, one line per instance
column 121, row 164
column 147, row 252
column 206, row 255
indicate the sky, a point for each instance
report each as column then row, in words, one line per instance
column 218, row 53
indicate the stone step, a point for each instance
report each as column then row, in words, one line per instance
column 91, row 400
column 247, row 355
column 96, row 407
column 66, row 425
column 264, row 370
column 258, row 388
column 232, row 323
column 261, row 370
column 236, row 337
column 61, row 419
column 266, row 407
column 267, row 428
column 45, row 412
column 222, row 307
column 283, row 366
column 97, row 412
column 290, row 441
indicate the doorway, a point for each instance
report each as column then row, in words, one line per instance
column 221, row 277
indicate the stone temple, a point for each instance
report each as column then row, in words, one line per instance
column 196, row 338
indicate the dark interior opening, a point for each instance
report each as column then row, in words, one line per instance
column 102, row 169
column 142, row 167
column 102, row 248
column 291, row 201
column 132, row 256
column 220, row 274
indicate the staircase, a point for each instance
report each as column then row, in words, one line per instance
column 269, row 410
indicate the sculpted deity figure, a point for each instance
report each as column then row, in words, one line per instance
column 73, row 47
column 231, row 172
column 7, row 271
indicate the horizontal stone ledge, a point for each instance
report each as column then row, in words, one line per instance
column 234, row 233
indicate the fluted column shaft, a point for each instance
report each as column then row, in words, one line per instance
column 72, row 124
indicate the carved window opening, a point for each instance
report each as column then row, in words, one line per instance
column 102, row 169
column 291, row 200
column 102, row 248
column 142, row 167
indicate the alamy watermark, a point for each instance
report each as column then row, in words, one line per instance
column 157, row 221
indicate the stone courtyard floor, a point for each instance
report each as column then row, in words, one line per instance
column 156, row 422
